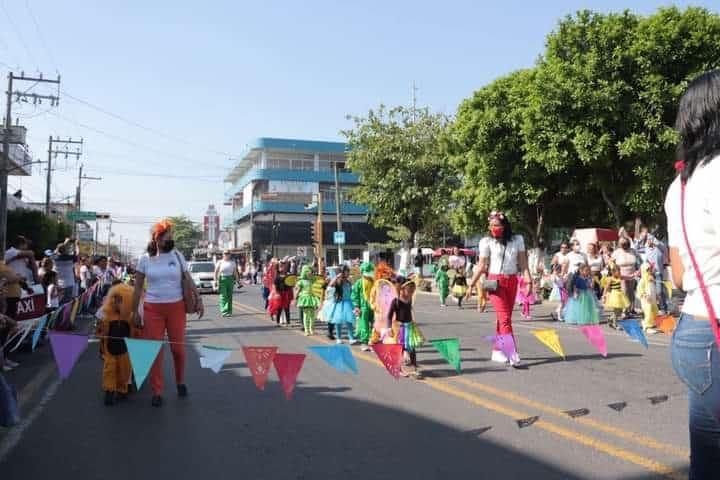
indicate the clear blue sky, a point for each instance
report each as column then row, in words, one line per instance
column 218, row 73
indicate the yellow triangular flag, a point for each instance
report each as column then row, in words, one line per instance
column 550, row 339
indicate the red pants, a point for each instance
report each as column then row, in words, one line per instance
column 159, row 318
column 503, row 301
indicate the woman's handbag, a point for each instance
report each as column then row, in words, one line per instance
column 190, row 294
column 493, row 285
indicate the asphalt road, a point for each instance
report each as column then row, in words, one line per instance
column 367, row 425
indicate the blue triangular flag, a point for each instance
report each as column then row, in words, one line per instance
column 142, row 355
column 348, row 358
column 213, row 357
column 38, row 331
column 634, row 331
column 332, row 355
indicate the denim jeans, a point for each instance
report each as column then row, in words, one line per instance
column 696, row 361
column 662, row 295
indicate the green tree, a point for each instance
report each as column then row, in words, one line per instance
column 405, row 178
column 44, row 231
column 187, row 234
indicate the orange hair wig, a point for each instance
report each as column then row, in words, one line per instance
column 161, row 227
column 383, row 270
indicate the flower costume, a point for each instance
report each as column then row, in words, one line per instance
column 307, row 300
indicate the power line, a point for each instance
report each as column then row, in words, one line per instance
column 127, row 141
column 19, row 34
column 143, row 127
column 40, row 35
column 131, row 173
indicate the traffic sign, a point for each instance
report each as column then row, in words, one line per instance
column 79, row 216
column 339, row 238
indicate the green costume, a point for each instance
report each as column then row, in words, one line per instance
column 226, row 285
column 443, row 282
column 307, row 301
column 361, row 300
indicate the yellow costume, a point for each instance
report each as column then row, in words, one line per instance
column 616, row 298
column 115, row 326
column 648, row 294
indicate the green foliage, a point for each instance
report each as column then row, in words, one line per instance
column 186, row 233
column 405, row 178
column 45, row 232
column 586, row 136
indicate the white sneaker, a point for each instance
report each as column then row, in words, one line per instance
column 354, row 342
column 365, row 348
column 498, row 356
column 515, row 359
column 651, row 331
column 338, row 341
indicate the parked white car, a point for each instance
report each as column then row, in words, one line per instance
column 203, row 274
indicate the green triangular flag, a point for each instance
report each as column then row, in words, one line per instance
column 449, row 349
column 142, row 356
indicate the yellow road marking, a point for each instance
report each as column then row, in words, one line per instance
column 571, row 435
column 641, row 440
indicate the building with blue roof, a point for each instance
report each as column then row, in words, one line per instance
column 273, row 187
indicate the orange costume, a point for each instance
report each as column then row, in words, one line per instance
column 115, row 326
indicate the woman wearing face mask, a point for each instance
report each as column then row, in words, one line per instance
column 163, row 307
column 628, row 263
column 575, row 259
column 502, row 257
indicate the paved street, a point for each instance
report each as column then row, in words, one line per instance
column 367, row 425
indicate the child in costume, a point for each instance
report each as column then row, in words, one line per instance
column 443, row 283
column 339, row 311
column 307, row 301
column 581, row 307
column 615, row 298
column 459, row 287
column 383, row 275
column 401, row 320
column 648, row 294
column 115, row 326
column 525, row 297
column 559, row 292
column 281, row 296
column 361, row 303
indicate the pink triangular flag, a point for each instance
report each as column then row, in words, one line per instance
column 67, row 348
column 258, row 360
column 505, row 343
column 288, row 367
column 596, row 337
column 390, row 355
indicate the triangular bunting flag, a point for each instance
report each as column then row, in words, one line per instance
column 505, row 343
column 665, row 323
column 549, row 338
column 391, row 356
column 634, row 331
column 38, row 331
column 348, row 358
column 580, row 412
column 213, row 357
column 332, row 355
column 596, row 337
column 258, row 360
column 67, row 348
column 142, row 355
column 449, row 349
column 618, row 406
column 288, row 366
column 526, row 422
column 658, row 399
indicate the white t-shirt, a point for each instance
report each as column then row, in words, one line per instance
column 575, row 260
column 702, row 220
column 227, row 268
column 20, row 265
column 596, row 264
column 164, row 276
column 53, row 298
column 85, row 276
column 493, row 249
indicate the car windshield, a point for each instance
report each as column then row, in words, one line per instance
column 201, row 267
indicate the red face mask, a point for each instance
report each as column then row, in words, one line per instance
column 497, row 232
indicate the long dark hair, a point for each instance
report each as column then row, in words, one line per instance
column 507, row 230
column 152, row 248
column 698, row 122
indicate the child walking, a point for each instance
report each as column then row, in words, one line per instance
column 614, row 297
column 402, row 321
column 443, row 283
column 307, row 301
column 647, row 291
column 339, row 310
column 459, row 287
column 50, row 284
column 582, row 307
column 525, row 297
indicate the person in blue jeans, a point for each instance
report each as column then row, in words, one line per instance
column 693, row 219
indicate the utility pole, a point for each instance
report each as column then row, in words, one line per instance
column 78, row 193
column 107, row 248
column 52, row 153
column 5, row 160
column 338, row 213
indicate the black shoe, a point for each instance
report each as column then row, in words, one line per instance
column 109, row 398
column 156, row 401
column 182, row 390
column 331, row 336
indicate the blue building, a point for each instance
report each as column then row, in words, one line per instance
column 270, row 190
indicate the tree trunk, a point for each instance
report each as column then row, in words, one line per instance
column 613, row 207
column 540, row 228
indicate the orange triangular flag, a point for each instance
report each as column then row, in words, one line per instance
column 258, row 360
column 288, row 367
column 665, row 323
